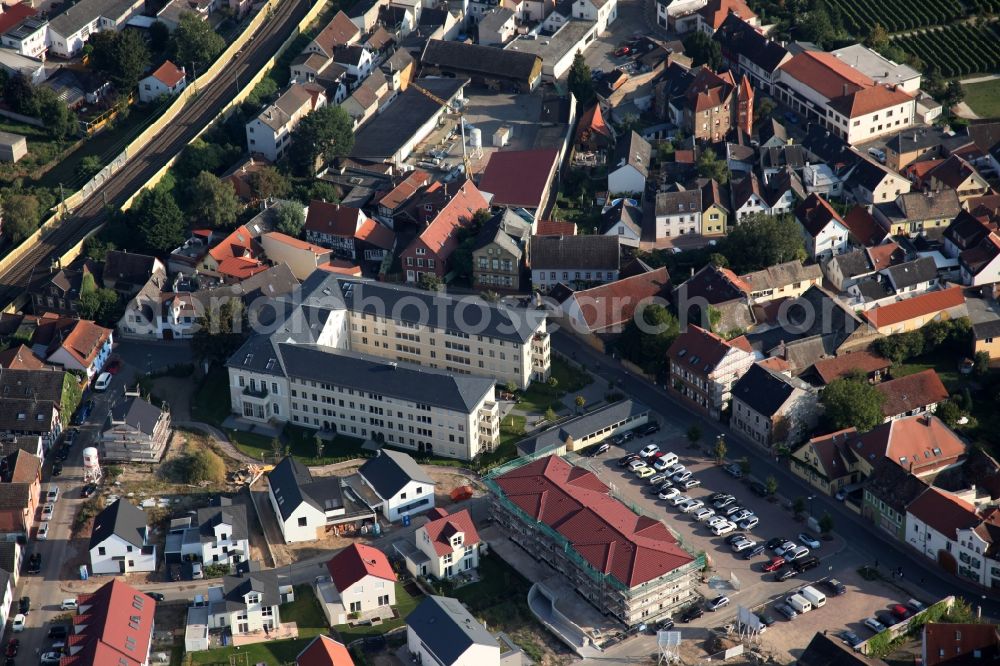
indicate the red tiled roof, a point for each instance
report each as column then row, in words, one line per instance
column 918, row 171
column 340, row 30
column 20, row 358
column 930, row 303
column 814, row 214
column 324, row 651
column 869, row 100
column 356, row 562
column 832, row 452
column 774, row 363
column 295, row 242
column 341, row 267
column 615, row 303
column 442, row 528
column 592, row 121
column 884, row 255
column 241, row 268
column 921, row 444
column 700, row 351
column 400, row 194
column 957, row 643
column 83, row 340
column 953, row 172
column 168, row 74
column 572, row 501
column 112, row 619
column 716, row 11
column 834, row 368
column 555, row 228
column 519, row 177
column 863, row 226
column 825, row 73
column 374, row 233
column 709, row 90
column 237, row 244
column 333, row 219
column 14, row 14
column 943, row 511
column 439, row 236
column 912, row 392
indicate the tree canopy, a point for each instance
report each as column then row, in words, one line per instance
column 160, row 220
column 325, row 133
column 710, row 166
column 759, row 241
column 269, row 183
column 290, row 217
column 122, row 56
column 648, row 348
column 195, row 41
column 852, row 403
column 21, row 216
column 220, row 332
column 581, row 80
column 212, row 201
column 703, row 50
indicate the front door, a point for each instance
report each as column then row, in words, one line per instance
column 242, row 627
column 121, row 566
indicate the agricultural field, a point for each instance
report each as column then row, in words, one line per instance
column 899, row 15
column 957, row 50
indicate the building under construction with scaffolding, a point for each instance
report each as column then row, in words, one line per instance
column 629, row 566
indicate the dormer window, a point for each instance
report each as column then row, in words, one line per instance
column 253, row 598
column 456, row 540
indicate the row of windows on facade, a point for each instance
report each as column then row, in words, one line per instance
column 578, row 275
column 416, row 327
column 496, row 264
column 497, row 280
column 381, row 423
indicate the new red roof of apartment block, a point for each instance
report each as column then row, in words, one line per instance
column 341, row 267
column 324, row 651
column 20, row 357
column 923, row 305
column 375, row 234
column 519, row 177
column 14, row 14
column 716, row 11
column 440, row 236
column 443, row 526
column 615, row 303
column 409, row 186
column 116, row 626
column 295, row 243
column 869, row 100
column 911, row 392
column 572, row 501
column 944, row 512
column 356, row 562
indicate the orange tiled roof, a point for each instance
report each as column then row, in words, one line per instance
column 930, row 303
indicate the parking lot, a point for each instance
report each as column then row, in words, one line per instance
column 744, row 581
column 601, row 52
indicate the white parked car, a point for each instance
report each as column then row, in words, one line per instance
column 742, row 515
column 874, row 625
column 661, row 466
column 43, row 532
column 749, row 523
column 649, row 450
column 637, row 465
column 703, row 514
column 676, row 468
column 785, row 547
column 723, row 528
column 691, row 505
column 18, row 623
column 796, row 554
column 740, row 546
column 717, row 520
column 669, row 494
column 47, row 511
column 681, row 477
column 691, row 483
column 680, row 499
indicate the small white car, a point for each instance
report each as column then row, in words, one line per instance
column 681, row 477
column 43, row 532
column 18, row 623
column 741, row 515
column 717, row 520
column 809, row 540
column 873, row 624
column 637, row 464
column 723, row 528
column 52, row 496
column 703, row 514
column 103, row 381
column 717, row 603
column 680, row 499
column 47, row 511
column 691, row 483
column 691, row 505
column 676, row 468
column 796, row 554
column 669, row 494
column 649, row 450
column 661, row 466
column 197, row 573
column 740, row 546
column 749, row 523
column 68, row 604
column 785, row 547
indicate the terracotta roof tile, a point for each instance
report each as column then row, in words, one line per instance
column 519, row 177
column 923, row 443
column 341, row 267
column 14, row 14
column 20, row 357
column 440, row 236
column 716, row 11
column 863, row 226
column 814, row 214
column 911, row 392
column 869, row 100
column 324, row 651
column 701, row 351
column 399, row 195
column 442, row 528
column 834, row 368
column 943, row 511
column 615, row 303
column 825, row 73
column 333, row 219
column 168, row 74
column 357, row 561
column 928, row 304
column 555, row 228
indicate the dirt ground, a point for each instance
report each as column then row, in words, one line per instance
column 177, row 391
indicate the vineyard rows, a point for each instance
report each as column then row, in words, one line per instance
column 900, row 15
column 957, row 50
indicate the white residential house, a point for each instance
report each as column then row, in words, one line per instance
column 403, row 487
column 748, row 198
column 304, row 506
column 68, row 32
column 168, row 80
column 362, row 585
column 119, row 541
column 678, row 213
column 823, row 229
column 356, row 59
column 447, row 546
column 442, row 631
column 912, row 277
column 85, row 347
column 29, row 37
column 942, row 525
column 6, row 595
column 249, row 602
column 216, row 534
column 602, row 12
column 270, row 133
column 629, row 167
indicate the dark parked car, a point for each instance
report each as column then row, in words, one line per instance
column 58, row 632
column 35, row 563
column 57, row 468
column 665, row 625
column 88, row 490
column 83, row 413
column 775, row 542
column 766, row 618
column 835, row 587
column 624, row 460
column 758, row 488
column 805, row 563
column 751, row 553
column 155, row 596
column 850, row 638
column 784, row 574
column 692, row 613
column 24, row 605
column 649, row 429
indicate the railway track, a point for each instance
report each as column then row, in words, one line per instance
column 202, row 109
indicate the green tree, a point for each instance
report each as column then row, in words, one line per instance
column 954, row 94
column 817, row 27
column 878, row 37
column 550, row 415
column 720, row 450
column 799, row 506
column 709, row 166
column 195, row 41
column 745, row 465
column 201, row 155
column 21, row 216
column 220, row 331
column 553, row 381
column 581, row 81
column 703, row 50
column 212, row 201
column 318, row 441
column 850, row 403
column 982, row 364
column 102, row 306
column 290, row 218
column 160, row 220
column 277, row 448
column 579, row 401
column 826, row 523
column 645, row 342
column 510, row 387
column 121, row 56
column 19, row 95
column 694, row 435
column 58, row 119
column 759, row 241
column 430, row 282
column 88, row 167
column 467, row 236
column 159, row 36
column 96, row 247
column 771, row 485
column 949, row 412
column 204, row 466
column 269, row 183
column 325, row 133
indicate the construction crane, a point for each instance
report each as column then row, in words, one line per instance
column 466, row 163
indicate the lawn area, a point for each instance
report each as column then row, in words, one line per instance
column 211, row 400
column 946, row 365
column 304, row 611
column 303, row 446
column 984, row 98
column 405, row 603
column 42, row 149
column 540, row 396
column 511, row 432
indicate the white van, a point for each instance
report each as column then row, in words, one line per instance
column 667, row 459
column 815, row 597
column 799, row 603
column 103, row 382
column 878, row 154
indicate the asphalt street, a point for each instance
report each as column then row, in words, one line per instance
column 864, row 538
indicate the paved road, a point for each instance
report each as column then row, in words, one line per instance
column 198, row 113
column 863, row 538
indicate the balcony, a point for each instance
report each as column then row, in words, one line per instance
column 259, row 392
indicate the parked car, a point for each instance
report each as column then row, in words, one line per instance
column 797, row 554
column 841, row 496
column 758, row 488
column 680, row 499
column 741, row 546
column 785, row 610
column 625, row 460
column 68, row 604
column 703, row 514
column 741, row 515
column 43, row 532
column 665, row 625
column 850, row 638
column 47, row 512
column 58, row 632
column 661, row 466
column 784, row 574
column 197, row 573
column 718, row 602
column 34, row 563
column 690, row 505
column 715, row 497
column 604, row 447
column 88, row 490
column 775, row 543
column 17, row 624
column 676, row 468
column 835, row 587
column 13, row 645
column 637, row 464
column 734, row 470
column 50, row 659
column 775, row 564
column 809, row 540
column 83, row 413
column 749, row 523
column 57, row 468
column 916, row 606
column 52, row 495
column 723, row 529
column 873, row 624
column 805, row 564
column 649, row 450
column 724, row 502
column 657, row 478
column 648, row 429
column 785, row 547
column 691, row 483
column 732, row 510
column 733, row 538
column 24, row 605
column 681, row 477
column 644, row 472
column 899, row 611
column 103, row 382
column 693, row 612
column 669, row 493
column 753, row 552
column 766, row 618
column 155, row 596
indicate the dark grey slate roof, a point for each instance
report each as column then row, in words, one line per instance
column 121, row 519
column 987, row 329
column 930, row 205
column 401, row 380
column 869, row 175
column 221, row 510
column 678, row 202
column 390, row 471
column 762, row 391
column 777, row 157
column 485, row 60
column 292, row 483
column 873, row 288
column 825, row 651
column 507, row 229
column 633, row 150
column 136, row 413
column 575, row 252
column 265, row 583
column 855, row 262
column 447, row 629
column 912, row 272
column 630, row 216
column 583, row 425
